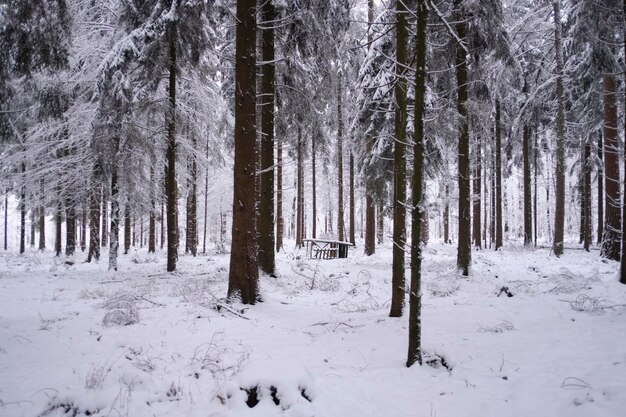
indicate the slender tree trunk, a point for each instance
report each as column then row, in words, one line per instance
column 115, row 213
column 587, row 197
column 399, row 183
column 612, row 228
column 244, row 272
column 299, row 196
column 623, row 254
column 22, row 205
column 192, row 206
column 477, row 193
column 105, row 207
column 528, row 216
column 267, row 256
column 94, row 216
column 498, row 175
column 127, row 221
column 559, row 211
column 6, row 219
column 381, row 223
column 370, row 208
column 340, row 212
column 280, row 222
column 535, row 153
column 152, row 225
column 171, row 188
column 162, row 225
column 446, row 215
column 58, row 232
column 83, row 229
column 351, row 227
column 33, row 226
column 415, row 296
column 464, row 249
column 42, row 219
column 600, row 189
column 206, row 197
column 313, row 189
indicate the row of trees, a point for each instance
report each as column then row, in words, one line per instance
column 114, row 110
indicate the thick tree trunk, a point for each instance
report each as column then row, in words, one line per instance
column 42, row 219
column 600, row 190
column 127, row 222
column 464, row 248
column 94, row 216
column 399, row 182
column 115, row 213
column 528, row 216
column 171, row 188
column 611, row 243
column 244, row 272
column 280, row 221
column 498, row 179
column 559, row 210
column 340, row 212
column 415, row 296
column 267, row 256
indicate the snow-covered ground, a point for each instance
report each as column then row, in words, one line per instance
column 77, row 340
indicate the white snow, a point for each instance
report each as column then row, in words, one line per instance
column 321, row 342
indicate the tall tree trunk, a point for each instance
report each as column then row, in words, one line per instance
column 267, row 256
column 313, row 190
column 477, row 193
column 446, row 215
column 415, row 298
column 381, row 223
column 127, row 222
column 399, row 183
column 351, row 220
column 6, row 218
column 94, row 215
column 464, row 248
column 559, row 210
column 244, row 272
column 370, row 208
column 600, row 189
column 280, row 221
column 22, row 205
column 33, row 226
column 299, row 196
column 623, row 254
column 70, row 229
column 340, row 212
column 152, row 225
column 528, row 216
column 114, row 242
column 206, row 197
column 612, row 227
column 535, row 165
column 587, row 197
column 83, row 229
column 58, row 231
column 171, row 188
column 105, row 214
column 42, row 219
column 498, row 178
column 192, row 203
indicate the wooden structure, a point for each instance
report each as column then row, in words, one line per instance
column 326, row 249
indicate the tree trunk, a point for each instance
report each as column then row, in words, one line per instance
column 70, row 229
column 152, row 225
column 6, row 218
column 498, row 178
column 351, row 227
column 464, row 248
column 587, row 197
column 280, row 222
column 600, row 190
column 192, row 204
column 446, row 216
column 267, row 256
column 623, row 254
column 528, row 215
column 313, row 190
column 115, row 213
column 381, row 223
column 415, row 297
column 58, row 232
column 299, row 202
column 83, row 229
column 244, row 272
column 535, row 154
column 370, row 208
column 559, row 210
column 33, row 226
column 94, row 216
column 206, row 197
column 105, row 207
column 399, row 211
column 127, row 221
column 42, row 219
column 340, row 217
column 171, row 188
column 612, row 228
column 22, row 205
column 477, row 194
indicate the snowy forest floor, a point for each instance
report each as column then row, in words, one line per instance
column 77, row 340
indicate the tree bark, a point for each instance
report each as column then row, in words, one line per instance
column 105, row 207
column 600, row 189
column 623, row 254
column 206, row 197
column 83, row 229
column 370, row 208
column 399, row 211
column 152, row 225
column 587, row 197
column 171, row 188
column 94, row 216
column 415, row 296
column 192, row 204
column 58, row 232
column 244, row 272
column 559, row 210
column 70, row 229
column 446, row 215
column 114, row 241
column 299, row 196
column 280, row 222
column 612, row 239
column 340, row 211
column 528, row 216
column 351, row 220
column 313, row 190
column 476, row 198
column 498, row 178
column 381, row 223
column 22, row 205
column 127, row 222
column 42, row 219
column 464, row 248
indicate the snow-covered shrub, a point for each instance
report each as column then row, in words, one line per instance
column 122, row 308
